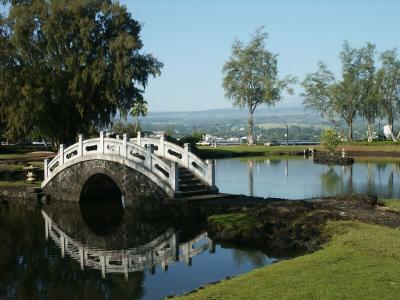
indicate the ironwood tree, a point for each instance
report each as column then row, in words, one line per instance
column 251, row 77
column 356, row 93
column 389, row 80
column 68, row 66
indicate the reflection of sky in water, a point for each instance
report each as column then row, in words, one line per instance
column 297, row 178
column 163, row 264
column 206, row 268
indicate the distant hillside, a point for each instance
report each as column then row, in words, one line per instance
column 270, row 123
column 263, row 115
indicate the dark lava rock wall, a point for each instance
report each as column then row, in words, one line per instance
column 136, row 188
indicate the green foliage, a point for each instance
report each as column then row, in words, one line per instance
column 239, row 221
column 389, row 80
column 356, row 93
column 138, row 109
column 330, row 139
column 391, row 203
column 251, row 77
column 67, row 66
column 192, row 139
column 120, row 128
column 317, row 94
column 295, row 133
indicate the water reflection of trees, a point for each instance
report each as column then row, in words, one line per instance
column 250, row 167
column 29, row 269
column 256, row 258
column 255, row 162
column 331, row 181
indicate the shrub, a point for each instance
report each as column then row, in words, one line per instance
column 330, row 139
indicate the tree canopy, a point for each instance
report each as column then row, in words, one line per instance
column 68, row 66
column 138, row 109
column 251, row 77
column 356, row 93
column 389, row 85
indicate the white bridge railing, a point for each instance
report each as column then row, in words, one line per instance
column 181, row 155
column 157, row 155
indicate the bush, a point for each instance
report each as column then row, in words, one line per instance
column 330, row 139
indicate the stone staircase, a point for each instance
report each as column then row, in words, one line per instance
column 189, row 185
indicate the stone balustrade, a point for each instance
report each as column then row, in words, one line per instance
column 181, row 155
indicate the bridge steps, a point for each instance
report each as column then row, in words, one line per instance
column 189, row 185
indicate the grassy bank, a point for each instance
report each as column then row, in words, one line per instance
column 19, row 183
column 244, row 150
column 243, row 223
column 351, row 266
column 391, row 203
column 381, row 149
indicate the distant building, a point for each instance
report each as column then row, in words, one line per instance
column 387, row 131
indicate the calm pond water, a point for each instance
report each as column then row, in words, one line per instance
column 299, row 178
column 70, row 251
column 101, row 250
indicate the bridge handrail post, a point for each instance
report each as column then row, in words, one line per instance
column 174, row 177
column 45, row 168
column 124, row 145
column 101, row 142
column 148, row 156
column 161, row 148
column 185, row 156
column 61, row 151
column 80, row 147
column 211, row 173
column 139, row 138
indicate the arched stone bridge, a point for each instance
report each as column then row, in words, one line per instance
column 140, row 167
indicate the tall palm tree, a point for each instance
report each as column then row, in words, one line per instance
column 138, row 109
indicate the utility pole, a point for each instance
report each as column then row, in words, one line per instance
column 379, row 129
column 287, row 134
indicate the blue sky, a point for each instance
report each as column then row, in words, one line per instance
column 193, row 39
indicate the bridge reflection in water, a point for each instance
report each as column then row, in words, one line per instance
column 163, row 250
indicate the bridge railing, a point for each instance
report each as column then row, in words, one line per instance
column 167, row 172
column 181, row 155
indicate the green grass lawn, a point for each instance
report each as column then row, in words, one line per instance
column 244, row 150
column 257, row 148
column 20, row 166
column 5, row 156
column 392, row 203
column 361, row 261
column 238, row 221
column 18, row 183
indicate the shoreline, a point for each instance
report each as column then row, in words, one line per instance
column 312, row 228
column 208, row 152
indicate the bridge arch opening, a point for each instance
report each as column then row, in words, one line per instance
column 99, row 188
column 102, row 204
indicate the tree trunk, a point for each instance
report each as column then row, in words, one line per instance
column 250, row 139
column 391, row 121
column 350, row 130
column 370, row 130
column 137, row 124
